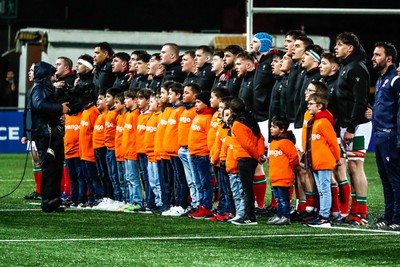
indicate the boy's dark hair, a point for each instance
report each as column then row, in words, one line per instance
column 191, row 53
column 206, row 49
column 104, row 46
column 218, row 53
column 319, row 99
column 123, row 56
column 320, row 88
column 113, row 91
column 307, row 41
column 281, row 122
column 167, row 84
column 237, row 106
column 177, row 88
column 226, row 100
column 279, row 54
column 120, row 97
column 132, row 92
column 220, row 91
column 157, row 56
column 331, row 57
column 87, row 58
column 390, row 49
column 144, row 57
column 138, row 52
column 295, row 34
column 348, row 38
column 144, row 93
column 234, row 49
column 195, row 87
column 315, row 48
column 245, row 56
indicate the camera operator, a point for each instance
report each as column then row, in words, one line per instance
column 45, row 127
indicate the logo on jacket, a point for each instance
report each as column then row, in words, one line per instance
column 275, row 153
column 315, row 136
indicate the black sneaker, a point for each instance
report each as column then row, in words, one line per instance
column 33, row 196
column 319, row 222
column 245, row 221
column 380, row 223
column 260, row 211
column 391, row 227
column 270, row 211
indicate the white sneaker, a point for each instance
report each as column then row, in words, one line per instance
column 237, row 217
column 175, row 211
column 104, row 204
column 168, row 212
column 273, row 220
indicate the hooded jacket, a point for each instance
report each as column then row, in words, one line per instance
column 353, row 90
column 283, row 159
column 263, row 82
column 43, row 111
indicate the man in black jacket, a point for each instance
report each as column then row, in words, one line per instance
column 172, row 62
column 103, row 76
column 244, row 64
column 45, row 127
column 352, row 98
column 233, row 82
column 205, row 77
column 120, row 68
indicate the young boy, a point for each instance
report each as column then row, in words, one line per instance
column 145, row 114
column 119, row 100
column 89, row 116
column 185, row 121
column 171, row 146
column 200, row 152
column 109, row 140
column 282, row 160
column 165, row 170
column 249, row 152
column 149, row 141
column 322, row 153
column 100, row 151
column 131, row 158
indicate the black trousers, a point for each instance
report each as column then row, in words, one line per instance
column 51, row 155
column 247, row 168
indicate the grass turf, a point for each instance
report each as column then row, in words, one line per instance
column 29, row 237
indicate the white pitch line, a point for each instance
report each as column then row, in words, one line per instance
column 182, row 238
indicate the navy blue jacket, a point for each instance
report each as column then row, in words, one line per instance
column 385, row 118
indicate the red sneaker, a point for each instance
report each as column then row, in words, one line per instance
column 203, row 213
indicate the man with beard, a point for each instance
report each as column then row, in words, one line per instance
column 103, row 77
column 385, row 122
column 233, row 82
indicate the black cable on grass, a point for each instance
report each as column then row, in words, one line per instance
column 23, row 174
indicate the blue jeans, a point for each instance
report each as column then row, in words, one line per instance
column 102, row 171
column 202, row 169
column 389, row 172
column 93, row 181
column 149, row 198
column 190, row 176
column 247, row 168
column 122, row 181
column 133, row 181
column 154, row 181
column 323, row 182
column 77, row 180
column 182, row 189
column 166, row 174
column 113, row 173
column 225, row 194
column 237, row 193
column 281, row 195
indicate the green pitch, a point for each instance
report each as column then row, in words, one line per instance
column 29, row 237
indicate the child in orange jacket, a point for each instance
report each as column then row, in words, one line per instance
column 249, row 152
column 171, row 146
column 185, row 122
column 100, row 149
column 73, row 161
column 322, row 154
column 119, row 101
column 149, row 141
column 199, row 150
column 283, row 160
column 109, row 139
column 89, row 116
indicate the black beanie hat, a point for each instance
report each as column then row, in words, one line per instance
column 204, row 97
